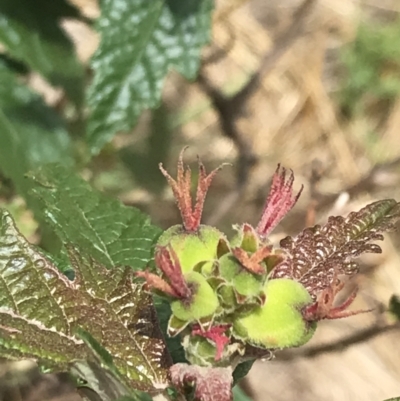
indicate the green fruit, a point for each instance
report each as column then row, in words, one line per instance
column 204, row 302
column 279, row 322
column 192, row 248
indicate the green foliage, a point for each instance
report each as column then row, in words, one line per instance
column 32, row 133
column 108, row 231
column 156, row 148
column 32, row 34
column 112, row 341
column 41, row 320
column 241, row 370
column 394, row 306
column 141, row 41
column 371, row 63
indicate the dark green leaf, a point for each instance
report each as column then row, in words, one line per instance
column 31, row 32
column 143, row 164
column 242, row 370
column 173, row 343
column 140, row 41
column 41, row 312
column 31, row 133
column 393, row 399
column 108, row 231
column 394, row 305
column 102, row 385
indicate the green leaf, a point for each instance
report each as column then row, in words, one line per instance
column 174, row 344
column 394, row 306
column 143, row 164
column 140, row 41
column 31, row 133
column 393, row 399
column 31, row 32
column 108, row 231
column 100, row 383
column 239, row 394
column 41, row 313
column 242, row 370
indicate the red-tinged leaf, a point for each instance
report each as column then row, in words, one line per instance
column 319, row 254
column 41, row 312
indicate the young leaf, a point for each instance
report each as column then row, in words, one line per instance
column 140, row 41
column 109, row 232
column 31, row 133
column 41, row 313
column 31, row 32
column 320, row 253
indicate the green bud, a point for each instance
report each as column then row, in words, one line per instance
column 227, row 297
column 245, row 238
column 204, row 302
column 208, row 268
column 192, row 248
column 279, row 322
column 245, row 283
column 199, row 351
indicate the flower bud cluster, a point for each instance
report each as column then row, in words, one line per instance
column 224, row 300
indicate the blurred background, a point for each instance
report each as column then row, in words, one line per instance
column 313, row 85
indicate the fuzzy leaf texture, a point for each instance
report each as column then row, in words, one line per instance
column 42, row 312
column 320, row 253
column 31, row 33
column 111, row 233
column 32, row 133
column 140, row 41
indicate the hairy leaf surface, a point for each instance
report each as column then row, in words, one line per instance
column 140, row 41
column 320, row 253
column 111, row 233
column 42, row 313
